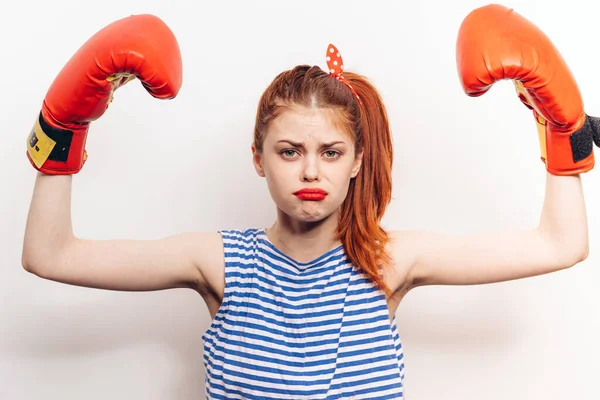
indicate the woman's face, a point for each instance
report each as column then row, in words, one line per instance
column 308, row 162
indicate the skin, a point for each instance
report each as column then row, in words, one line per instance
column 303, row 229
column 304, row 149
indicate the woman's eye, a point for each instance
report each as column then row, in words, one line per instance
column 288, row 153
column 331, row 154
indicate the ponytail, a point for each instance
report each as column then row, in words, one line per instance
column 370, row 192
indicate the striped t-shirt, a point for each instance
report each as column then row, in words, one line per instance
column 292, row 330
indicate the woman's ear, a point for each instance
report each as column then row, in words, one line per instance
column 257, row 161
column 357, row 164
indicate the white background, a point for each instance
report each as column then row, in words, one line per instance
column 157, row 168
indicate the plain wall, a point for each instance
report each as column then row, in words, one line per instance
column 157, row 168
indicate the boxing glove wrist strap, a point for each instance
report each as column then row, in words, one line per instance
column 46, row 142
column 582, row 141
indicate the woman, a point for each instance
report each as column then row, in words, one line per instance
column 306, row 308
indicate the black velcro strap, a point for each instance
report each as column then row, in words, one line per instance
column 582, row 141
column 62, row 137
column 595, row 124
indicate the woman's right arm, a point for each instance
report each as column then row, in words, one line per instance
column 52, row 251
column 80, row 94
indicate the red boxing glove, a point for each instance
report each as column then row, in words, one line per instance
column 139, row 46
column 496, row 43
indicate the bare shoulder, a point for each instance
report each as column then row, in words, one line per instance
column 403, row 248
column 206, row 249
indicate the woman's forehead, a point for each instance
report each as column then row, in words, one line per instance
column 302, row 123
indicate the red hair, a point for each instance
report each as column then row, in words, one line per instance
column 369, row 193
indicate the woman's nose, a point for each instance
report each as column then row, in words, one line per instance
column 310, row 170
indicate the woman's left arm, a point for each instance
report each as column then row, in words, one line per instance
column 560, row 241
column 495, row 43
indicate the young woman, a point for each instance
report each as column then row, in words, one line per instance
column 305, row 309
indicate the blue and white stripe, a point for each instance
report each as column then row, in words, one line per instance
column 290, row 330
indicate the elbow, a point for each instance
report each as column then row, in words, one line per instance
column 29, row 265
column 34, row 263
column 583, row 251
column 583, row 254
column 26, row 261
column 575, row 255
column 39, row 258
column 566, row 250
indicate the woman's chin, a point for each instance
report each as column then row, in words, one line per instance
column 311, row 212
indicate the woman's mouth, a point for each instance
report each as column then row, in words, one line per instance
column 313, row 194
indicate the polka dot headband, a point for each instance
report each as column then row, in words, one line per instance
column 336, row 68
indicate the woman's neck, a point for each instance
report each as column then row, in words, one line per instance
column 304, row 241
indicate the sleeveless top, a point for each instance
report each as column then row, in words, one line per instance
column 292, row 330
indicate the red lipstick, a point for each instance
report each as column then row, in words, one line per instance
column 311, row 194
